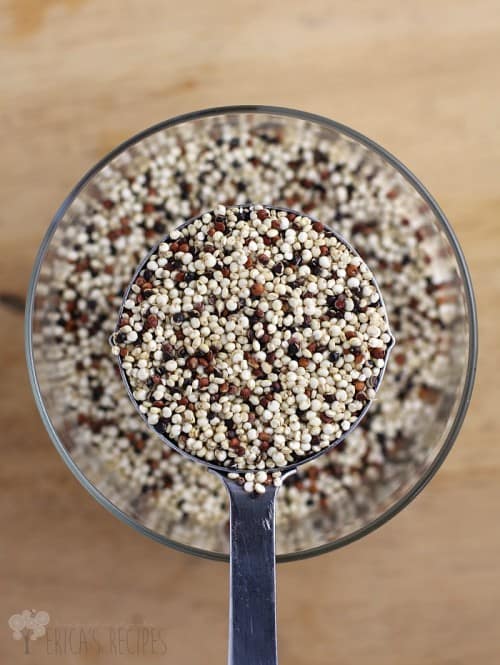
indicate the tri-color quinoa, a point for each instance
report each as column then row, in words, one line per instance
column 253, row 337
column 152, row 188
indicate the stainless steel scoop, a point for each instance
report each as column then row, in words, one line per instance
column 252, row 595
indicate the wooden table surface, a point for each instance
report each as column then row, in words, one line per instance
column 421, row 78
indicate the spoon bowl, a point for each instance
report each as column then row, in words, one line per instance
column 228, row 469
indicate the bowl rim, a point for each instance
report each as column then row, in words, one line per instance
column 465, row 397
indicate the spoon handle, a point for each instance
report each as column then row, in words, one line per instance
column 252, row 589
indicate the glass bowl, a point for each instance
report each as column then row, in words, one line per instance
column 231, row 155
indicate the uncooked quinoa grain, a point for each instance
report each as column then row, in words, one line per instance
column 243, row 364
column 152, row 188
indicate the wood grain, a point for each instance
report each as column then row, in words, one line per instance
column 78, row 76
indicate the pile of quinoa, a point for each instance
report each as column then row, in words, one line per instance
column 150, row 190
column 253, row 338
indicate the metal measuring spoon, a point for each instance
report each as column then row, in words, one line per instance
column 252, row 610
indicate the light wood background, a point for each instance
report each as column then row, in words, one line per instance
column 422, row 78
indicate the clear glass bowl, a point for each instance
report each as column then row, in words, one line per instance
column 169, row 173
